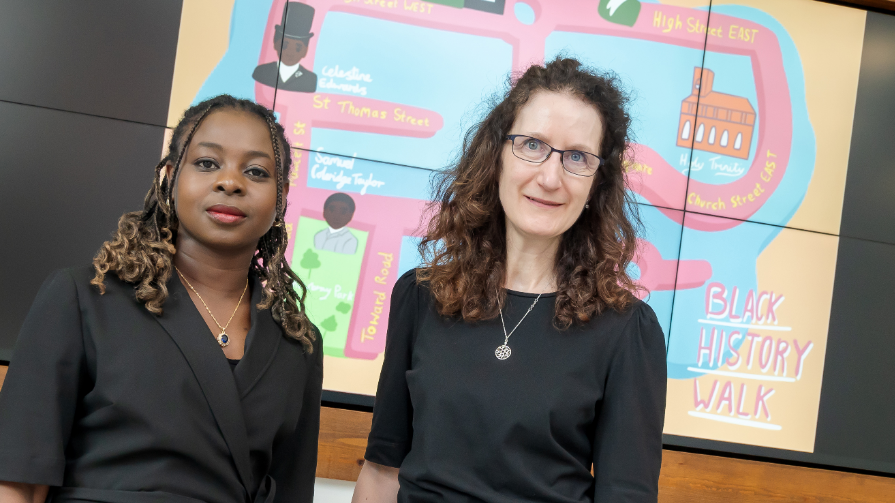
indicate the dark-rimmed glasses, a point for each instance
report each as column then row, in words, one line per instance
column 533, row 150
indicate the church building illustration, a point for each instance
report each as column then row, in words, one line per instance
column 722, row 123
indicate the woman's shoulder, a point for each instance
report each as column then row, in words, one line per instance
column 76, row 282
column 409, row 283
column 621, row 317
column 408, row 278
column 638, row 327
column 634, row 321
column 641, row 311
column 68, row 279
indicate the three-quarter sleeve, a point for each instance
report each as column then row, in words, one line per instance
column 40, row 394
column 294, row 464
column 392, row 430
column 628, row 438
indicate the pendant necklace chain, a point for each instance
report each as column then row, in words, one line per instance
column 503, row 351
column 222, row 338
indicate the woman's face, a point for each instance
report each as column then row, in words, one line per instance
column 543, row 200
column 226, row 193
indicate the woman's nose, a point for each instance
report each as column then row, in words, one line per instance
column 550, row 174
column 229, row 182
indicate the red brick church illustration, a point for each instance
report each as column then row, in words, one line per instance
column 722, row 124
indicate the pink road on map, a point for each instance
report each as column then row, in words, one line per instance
column 392, row 218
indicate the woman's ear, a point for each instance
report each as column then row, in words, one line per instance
column 286, row 189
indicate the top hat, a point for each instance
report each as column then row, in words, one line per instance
column 297, row 19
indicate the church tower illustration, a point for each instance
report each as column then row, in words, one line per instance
column 715, row 122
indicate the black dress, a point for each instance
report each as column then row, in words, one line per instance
column 111, row 403
column 464, row 426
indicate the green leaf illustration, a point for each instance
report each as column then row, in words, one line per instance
column 309, row 261
column 330, row 324
column 624, row 12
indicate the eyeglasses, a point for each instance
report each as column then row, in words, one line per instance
column 536, row 151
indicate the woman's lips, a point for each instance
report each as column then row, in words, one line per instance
column 225, row 214
column 542, row 203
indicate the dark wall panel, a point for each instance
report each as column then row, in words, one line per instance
column 67, row 178
column 857, row 413
column 110, row 58
column 869, row 208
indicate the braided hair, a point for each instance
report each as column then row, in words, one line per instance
column 142, row 250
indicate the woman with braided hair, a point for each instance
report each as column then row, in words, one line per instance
column 180, row 366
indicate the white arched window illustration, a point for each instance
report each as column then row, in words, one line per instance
column 712, row 136
column 699, row 132
column 724, row 138
column 738, row 142
column 685, row 132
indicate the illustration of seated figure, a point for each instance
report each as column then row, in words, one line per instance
column 338, row 210
column 290, row 40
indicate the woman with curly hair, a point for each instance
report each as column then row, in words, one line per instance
column 518, row 357
column 180, row 366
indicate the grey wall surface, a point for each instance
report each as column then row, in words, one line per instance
column 84, row 90
column 869, row 208
column 109, row 58
column 857, row 410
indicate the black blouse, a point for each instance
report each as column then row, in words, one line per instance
column 111, row 403
column 465, row 426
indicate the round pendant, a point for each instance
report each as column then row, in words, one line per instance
column 223, row 340
column 503, row 352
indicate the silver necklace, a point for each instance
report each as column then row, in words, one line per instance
column 503, row 351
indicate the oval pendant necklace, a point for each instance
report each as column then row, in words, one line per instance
column 503, row 351
column 222, row 338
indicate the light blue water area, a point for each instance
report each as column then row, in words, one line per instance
column 447, row 72
column 410, row 255
column 233, row 74
column 733, row 253
column 361, row 176
column 782, row 205
column 658, row 77
column 524, row 13
column 665, row 235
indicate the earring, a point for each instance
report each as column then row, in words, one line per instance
column 587, row 206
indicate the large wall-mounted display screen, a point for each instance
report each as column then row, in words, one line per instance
column 742, row 140
column 762, row 167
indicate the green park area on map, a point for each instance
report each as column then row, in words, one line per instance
column 331, row 279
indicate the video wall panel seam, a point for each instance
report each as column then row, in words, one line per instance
column 687, row 186
column 81, row 113
column 349, row 158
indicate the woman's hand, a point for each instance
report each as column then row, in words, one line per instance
column 16, row 492
column 376, row 484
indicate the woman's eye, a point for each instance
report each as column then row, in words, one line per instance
column 257, row 172
column 533, row 145
column 576, row 156
column 206, row 164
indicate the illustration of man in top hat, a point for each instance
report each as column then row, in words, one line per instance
column 290, row 40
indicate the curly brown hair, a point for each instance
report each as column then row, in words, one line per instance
column 464, row 249
column 142, row 250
